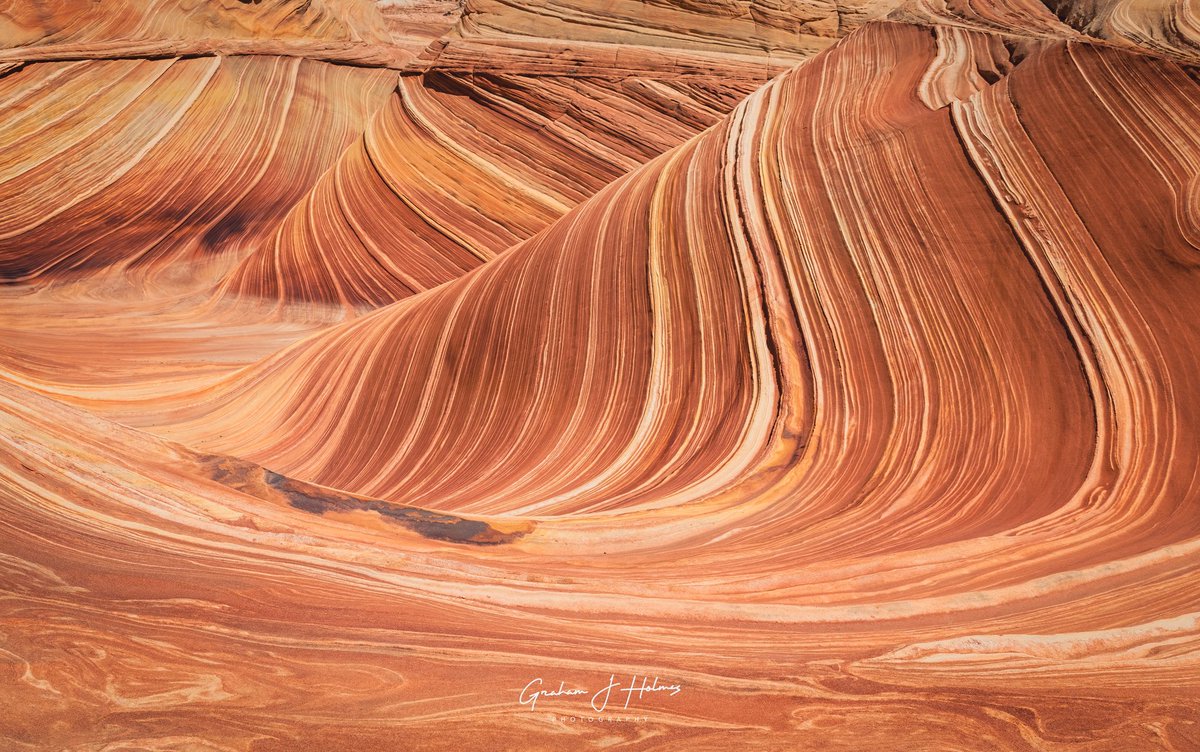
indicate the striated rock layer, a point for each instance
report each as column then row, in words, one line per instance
column 162, row 208
column 157, row 162
column 349, row 30
column 455, row 169
column 785, row 27
column 1170, row 28
column 864, row 413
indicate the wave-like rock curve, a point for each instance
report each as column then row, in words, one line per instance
column 866, row 415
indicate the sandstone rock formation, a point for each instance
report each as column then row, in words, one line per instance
column 349, row 30
column 339, row 403
column 739, row 26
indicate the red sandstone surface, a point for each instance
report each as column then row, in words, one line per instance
column 834, row 363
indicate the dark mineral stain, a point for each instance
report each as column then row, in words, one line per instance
column 261, row 483
column 432, row 525
column 229, row 226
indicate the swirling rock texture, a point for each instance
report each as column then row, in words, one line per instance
column 1170, row 28
column 784, row 27
column 456, row 169
column 349, row 30
column 858, row 399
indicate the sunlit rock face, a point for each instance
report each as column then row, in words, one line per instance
column 355, row 31
column 347, row 396
column 455, row 169
column 787, row 27
column 1170, row 28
